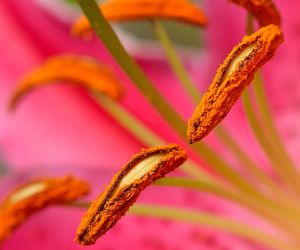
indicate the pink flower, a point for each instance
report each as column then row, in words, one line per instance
column 61, row 126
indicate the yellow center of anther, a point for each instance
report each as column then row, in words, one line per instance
column 28, row 192
column 140, row 169
column 235, row 62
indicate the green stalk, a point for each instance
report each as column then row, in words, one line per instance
column 248, row 163
column 3, row 170
column 135, row 73
column 289, row 179
column 249, row 24
column 269, row 140
column 175, row 62
column 280, row 213
column 265, row 112
column 210, row 187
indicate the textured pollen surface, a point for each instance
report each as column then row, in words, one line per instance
column 130, row 10
column 265, row 11
column 74, row 69
column 114, row 202
column 33, row 196
column 227, row 88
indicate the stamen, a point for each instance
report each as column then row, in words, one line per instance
column 124, row 189
column 232, row 77
column 74, row 69
column 222, row 134
column 138, row 77
column 35, row 195
column 130, row 10
column 264, row 10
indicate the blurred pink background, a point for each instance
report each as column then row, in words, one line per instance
column 58, row 129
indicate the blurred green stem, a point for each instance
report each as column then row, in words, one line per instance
column 265, row 131
column 175, row 62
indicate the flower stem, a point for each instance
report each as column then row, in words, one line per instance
column 266, row 209
column 245, row 160
column 269, row 140
column 289, row 179
column 200, row 185
column 3, row 170
column 175, row 62
column 135, row 73
column 263, row 107
column 249, row 24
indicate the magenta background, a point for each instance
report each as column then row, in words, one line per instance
column 60, row 126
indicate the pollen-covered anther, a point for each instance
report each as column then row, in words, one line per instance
column 35, row 195
column 265, row 11
column 131, row 10
column 73, row 69
column 231, row 79
column 144, row 168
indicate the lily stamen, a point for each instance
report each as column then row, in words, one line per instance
column 80, row 70
column 34, row 196
column 128, row 10
column 264, row 10
column 125, row 187
column 270, row 195
column 231, row 79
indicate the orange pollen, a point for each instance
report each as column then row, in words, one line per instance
column 131, row 10
column 265, row 11
column 74, row 69
column 35, row 195
column 231, row 79
column 125, row 187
